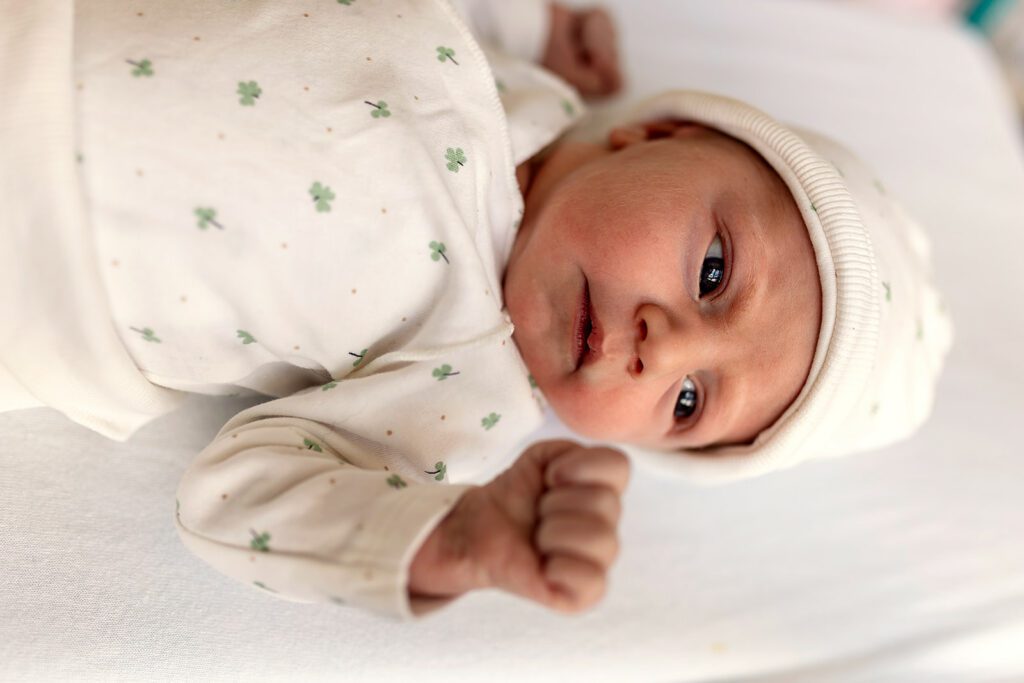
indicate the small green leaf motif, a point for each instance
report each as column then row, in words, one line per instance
column 329, row 385
column 334, row 598
column 207, row 216
column 456, row 158
column 322, row 195
column 147, row 334
column 888, row 291
column 439, row 470
column 259, row 541
column 266, row 588
column 250, row 92
column 490, row 421
column 437, row 251
column 568, row 108
column 380, row 109
column 444, row 372
column 359, row 357
column 312, row 445
column 533, row 382
column 245, row 337
column 444, row 53
column 79, row 158
column 177, row 509
column 143, row 68
column 500, row 86
column 879, row 186
column 346, row 3
column 814, row 208
column 395, row 482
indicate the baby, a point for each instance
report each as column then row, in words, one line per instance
column 386, row 219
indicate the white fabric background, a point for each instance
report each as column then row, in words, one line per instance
column 903, row 565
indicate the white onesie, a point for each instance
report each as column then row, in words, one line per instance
column 315, row 201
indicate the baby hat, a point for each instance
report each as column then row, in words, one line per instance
column 884, row 330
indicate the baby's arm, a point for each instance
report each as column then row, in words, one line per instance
column 272, row 503
column 309, row 514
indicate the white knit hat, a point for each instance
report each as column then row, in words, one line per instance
column 884, row 331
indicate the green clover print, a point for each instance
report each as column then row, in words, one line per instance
column 346, row 3
column 533, row 382
column 259, row 541
column 444, row 53
column 249, row 92
column 568, row 108
column 245, row 337
column 323, row 196
column 206, row 217
column 143, row 68
column 312, row 445
column 456, row 157
column 444, row 372
column 147, row 334
column 437, row 251
column 395, row 482
column 359, row 356
column 439, row 470
column 888, row 291
column 380, row 110
column 329, row 385
column 490, row 421
column 266, row 588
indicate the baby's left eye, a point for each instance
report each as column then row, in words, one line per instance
column 712, row 271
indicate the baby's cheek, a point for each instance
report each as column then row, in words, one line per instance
column 596, row 414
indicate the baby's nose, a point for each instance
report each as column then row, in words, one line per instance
column 661, row 346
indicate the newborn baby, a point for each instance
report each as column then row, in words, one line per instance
column 412, row 240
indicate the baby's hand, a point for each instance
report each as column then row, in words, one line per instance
column 581, row 49
column 546, row 529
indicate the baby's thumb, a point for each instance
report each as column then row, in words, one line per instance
column 597, row 466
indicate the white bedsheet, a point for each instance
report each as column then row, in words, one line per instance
column 902, row 565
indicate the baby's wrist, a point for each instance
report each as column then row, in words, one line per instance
column 445, row 565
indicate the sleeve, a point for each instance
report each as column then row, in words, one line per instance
column 519, row 28
column 311, row 514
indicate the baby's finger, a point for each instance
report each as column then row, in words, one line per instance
column 580, row 535
column 598, row 466
column 579, row 584
column 599, row 501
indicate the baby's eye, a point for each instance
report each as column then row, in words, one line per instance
column 712, row 271
column 686, row 404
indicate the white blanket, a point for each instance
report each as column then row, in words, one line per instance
column 902, row 565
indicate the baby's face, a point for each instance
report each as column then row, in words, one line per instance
column 683, row 345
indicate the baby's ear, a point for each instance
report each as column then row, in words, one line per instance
column 627, row 135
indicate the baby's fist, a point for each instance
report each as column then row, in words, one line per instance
column 577, row 531
column 582, row 49
column 546, row 529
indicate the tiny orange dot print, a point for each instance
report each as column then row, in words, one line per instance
column 252, row 559
column 353, row 291
column 195, row 38
column 305, row 14
column 138, row 172
column 296, row 347
column 332, row 480
column 223, row 496
column 383, row 210
column 115, row 263
column 330, row 130
column 284, row 245
column 389, row 434
column 138, row 14
column 79, row 86
column 234, row 436
column 220, row 136
column 184, row 299
column 442, row 417
column 306, row 88
column 386, row 469
column 403, row 319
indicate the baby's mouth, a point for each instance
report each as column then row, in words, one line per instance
column 582, row 325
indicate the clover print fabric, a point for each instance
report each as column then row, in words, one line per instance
column 329, row 230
